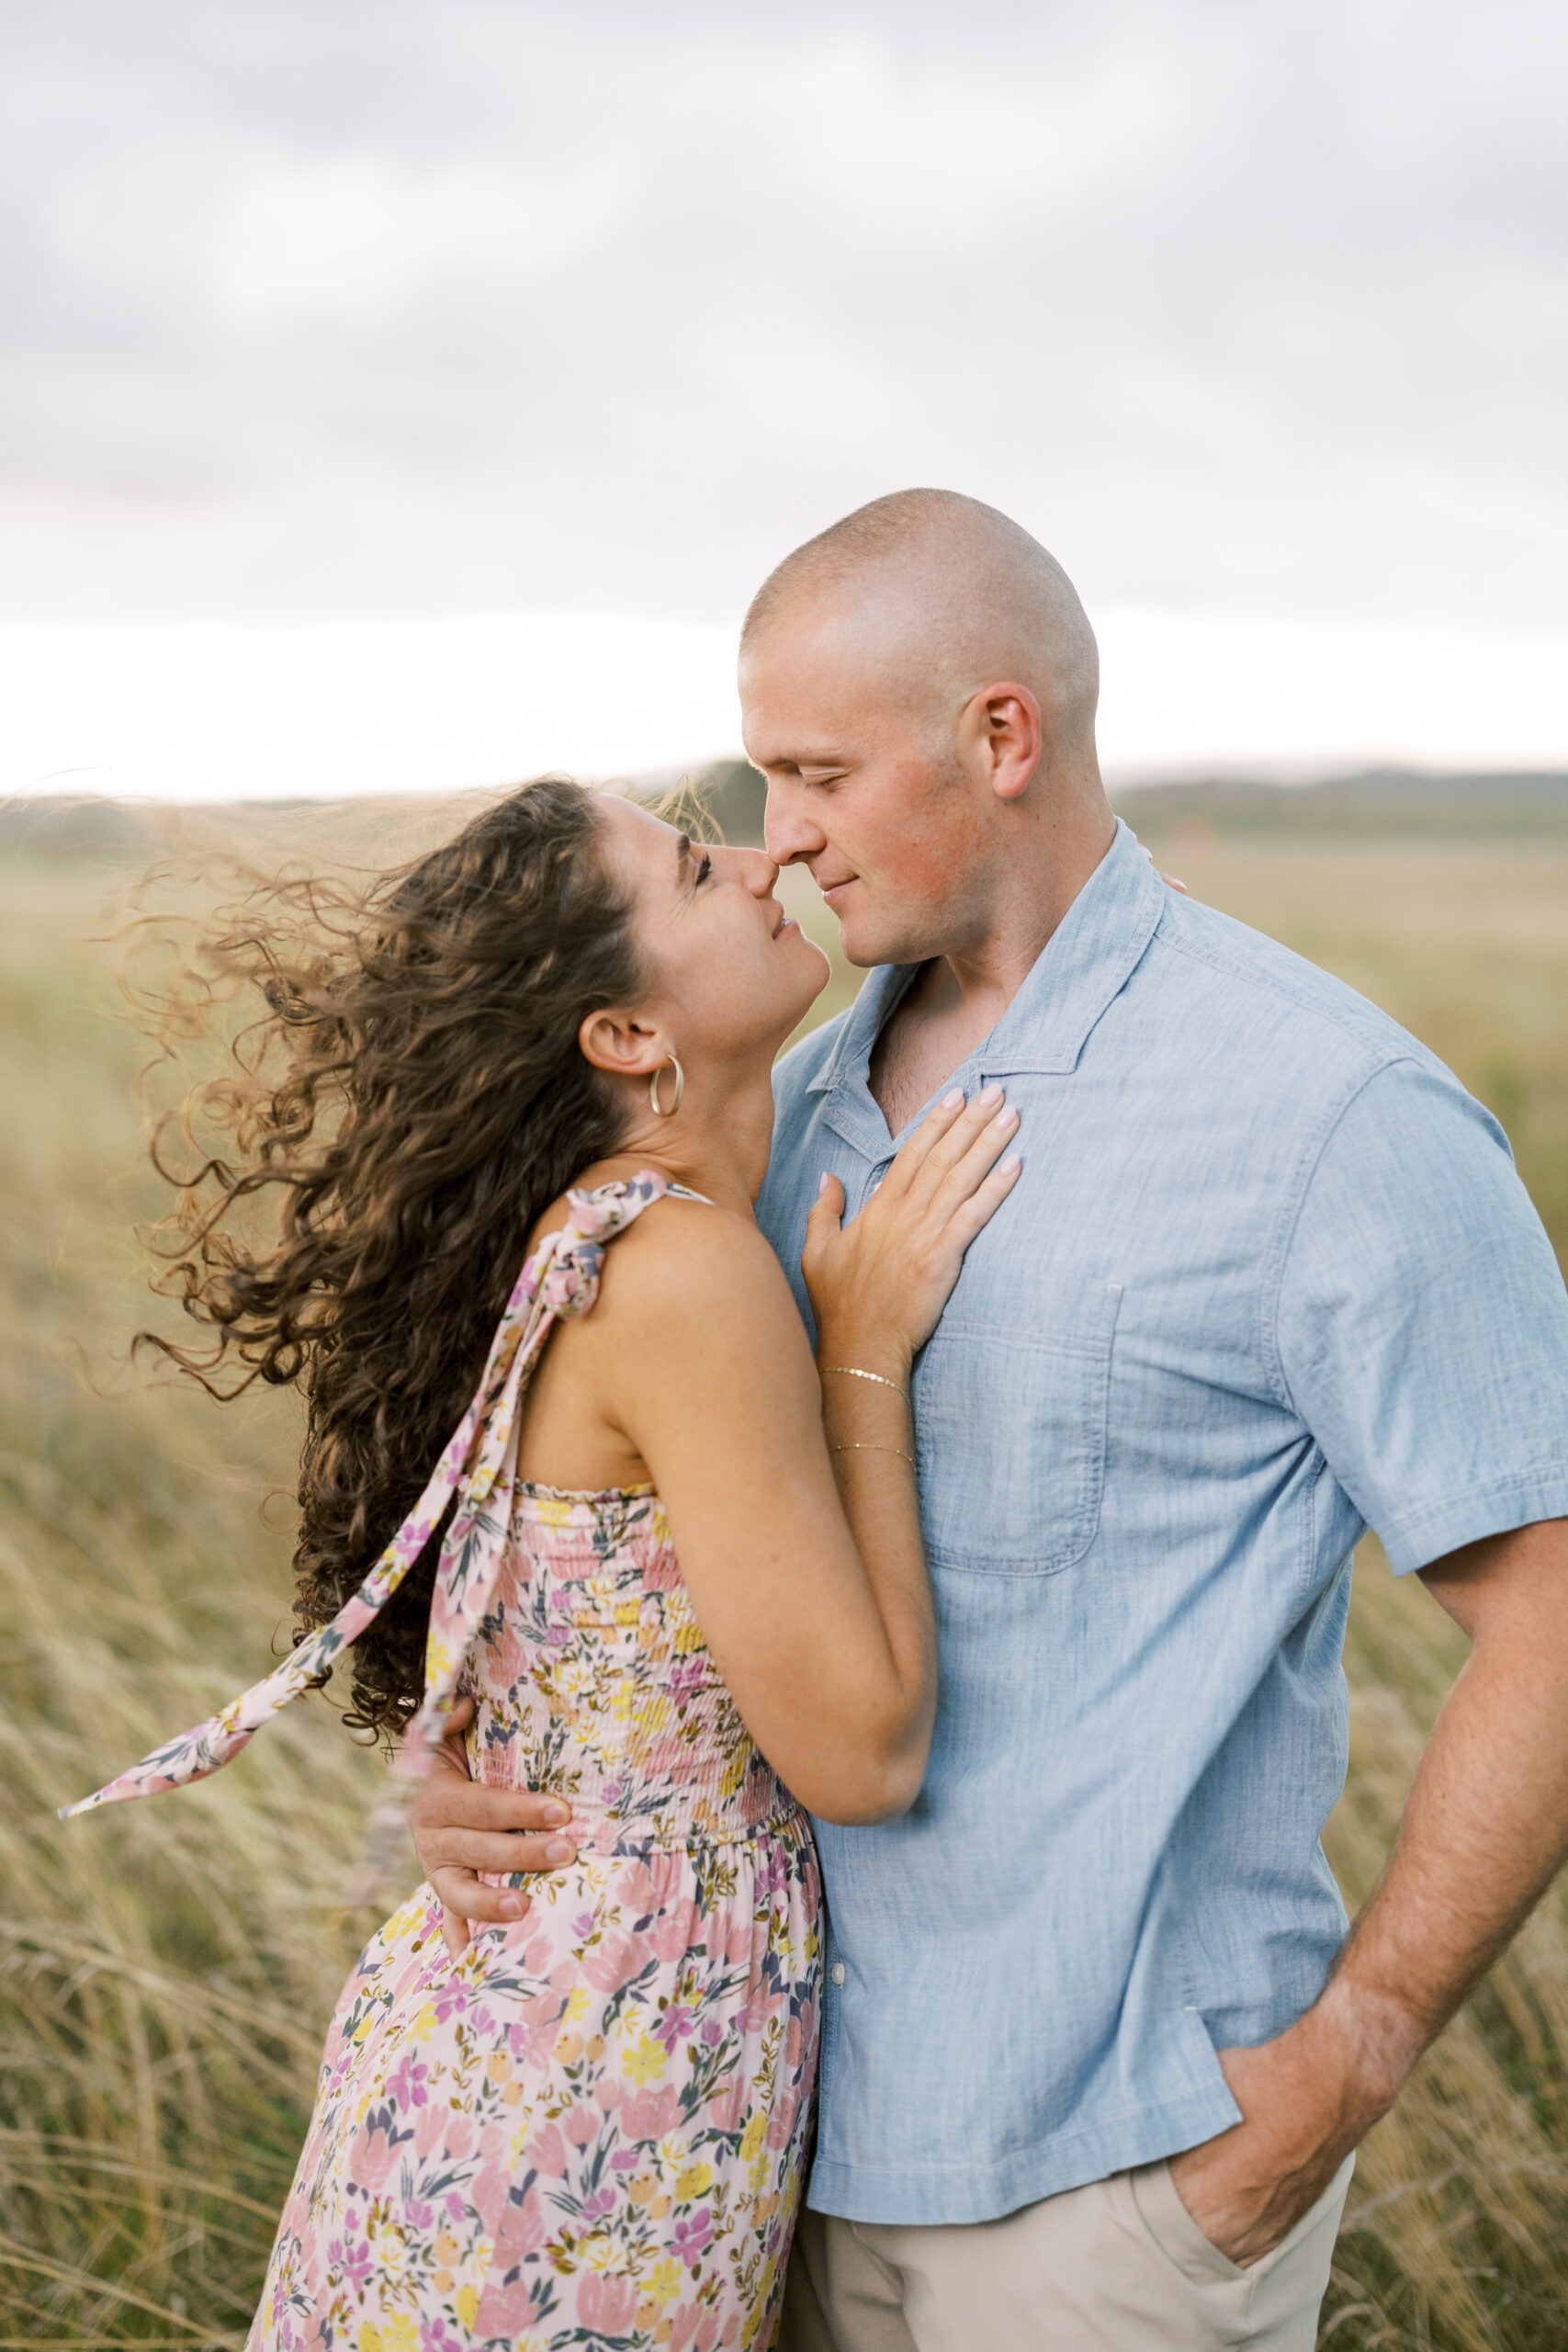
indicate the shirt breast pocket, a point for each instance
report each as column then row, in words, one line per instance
column 1011, row 1431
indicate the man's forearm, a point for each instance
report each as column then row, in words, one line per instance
column 1485, row 1825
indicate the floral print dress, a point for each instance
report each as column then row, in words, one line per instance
column 591, row 2130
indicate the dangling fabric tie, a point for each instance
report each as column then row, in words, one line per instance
column 479, row 1466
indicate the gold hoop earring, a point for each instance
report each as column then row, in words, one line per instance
column 680, row 1087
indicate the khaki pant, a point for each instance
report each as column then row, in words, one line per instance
column 1118, row 2266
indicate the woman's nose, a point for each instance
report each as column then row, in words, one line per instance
column 760, row 873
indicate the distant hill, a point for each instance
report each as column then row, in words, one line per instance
column 1382, row 800
column 46, row 827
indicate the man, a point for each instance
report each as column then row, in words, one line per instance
column 1096, row 2053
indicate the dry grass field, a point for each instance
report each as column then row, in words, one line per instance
column 165, row 1969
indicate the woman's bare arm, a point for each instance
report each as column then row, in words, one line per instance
column 810, row 1587
column 805, row 1568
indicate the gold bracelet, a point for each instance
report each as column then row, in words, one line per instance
column 853, row 1371
column 874, row 1449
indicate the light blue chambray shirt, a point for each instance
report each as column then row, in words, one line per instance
column 1267, row 1278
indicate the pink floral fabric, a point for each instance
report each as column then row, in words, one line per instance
column 591, row 2130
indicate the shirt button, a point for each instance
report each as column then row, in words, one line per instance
column 837, row 1972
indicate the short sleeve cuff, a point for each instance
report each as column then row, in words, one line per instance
column 1419, row 1537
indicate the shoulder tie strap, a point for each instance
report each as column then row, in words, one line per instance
column 479, row 1465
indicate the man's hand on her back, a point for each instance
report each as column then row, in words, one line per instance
column 460, row 1827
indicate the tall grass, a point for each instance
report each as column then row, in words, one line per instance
column 167, row 1969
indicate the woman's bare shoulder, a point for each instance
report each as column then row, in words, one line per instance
column 684, row 1267
column 693, row 1251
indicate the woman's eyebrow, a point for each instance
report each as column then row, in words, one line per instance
column 682, row 857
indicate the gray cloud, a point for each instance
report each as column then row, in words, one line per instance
column 439, row 305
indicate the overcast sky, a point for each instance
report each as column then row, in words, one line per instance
column 332, row 311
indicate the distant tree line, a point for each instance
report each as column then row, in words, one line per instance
column 731, row 795
column 1382, row 800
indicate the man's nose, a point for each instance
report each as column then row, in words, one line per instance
column 788, row 827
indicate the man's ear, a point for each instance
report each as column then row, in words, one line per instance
column 621, row 1044
column 1014, row 735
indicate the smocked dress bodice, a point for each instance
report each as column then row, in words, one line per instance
column 594, row 1683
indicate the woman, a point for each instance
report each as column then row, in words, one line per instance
column 675, row 1565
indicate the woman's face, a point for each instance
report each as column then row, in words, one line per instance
column 731, row 975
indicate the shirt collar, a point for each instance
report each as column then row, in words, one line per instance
column 1084, row 965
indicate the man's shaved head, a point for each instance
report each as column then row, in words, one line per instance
column 942, row 594
column 918, row 684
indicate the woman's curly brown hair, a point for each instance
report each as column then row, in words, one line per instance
column 410, row 1099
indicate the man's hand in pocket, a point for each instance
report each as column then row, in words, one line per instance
column 1307, row 2099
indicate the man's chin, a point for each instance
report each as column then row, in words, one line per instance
column 872, row 933
column 865, row 945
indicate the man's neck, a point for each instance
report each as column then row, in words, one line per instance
column 957, row 999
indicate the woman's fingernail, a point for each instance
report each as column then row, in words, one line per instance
column 1005, row 1167
column 988, row 1094
column 511, row 1906
column 1008, row 1118
column 557, row 1812
column 823, row 1185
column 559, row 1849
column 950, row 1101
